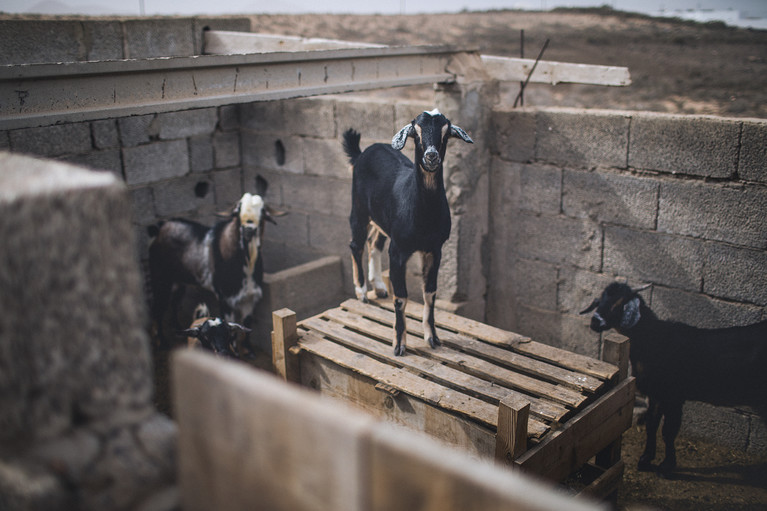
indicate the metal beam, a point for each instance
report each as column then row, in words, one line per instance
column 43, row 94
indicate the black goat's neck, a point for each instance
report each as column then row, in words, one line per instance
column 229, row 242
column 430, row 182
column 647, row 318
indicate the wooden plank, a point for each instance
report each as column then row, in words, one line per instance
column 607, row 483
column 358, row 390
column 551, row 72
column 513, row 341
column 511, row 440
column 471, row 365
column 615, row 350
column 590, row 431
column 406, row 382
column 284, row 337
column 442, row 374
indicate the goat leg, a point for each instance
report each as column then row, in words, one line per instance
column 672, row 422
column 358, row 274
column 397, row 266
column 430, row 266
column 652, row 421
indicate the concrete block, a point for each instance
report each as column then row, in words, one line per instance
column 228, row 186
column 701, row 311
column 407, row 110
column 735, row 273
column 534, row 283
column 182, row 195
column 318, row 194
column 514, row 134
column 187, row 123
column 5, row 141
column 21, row 41
column 374, row 120
column 229, row 117
column 576, row 288
column 155, row 162
column 694, row 145
column 715, row 212
column 55, row 212
column 564, row 331
column 312, row 117
column 199, row 25
column 226, row 148
column 752, row 162
column 315, row 458
column 291, row 229
column 274, row 180
column 284, row 153
column 582, row 138
column 108, row 159
column 51, row 141
column 200, row 153
column 142, row 201
column 558, row 240
column 653, row 257
column 757, row 437
column 105, row 134
column 721, row 425
column 135, row 130
column 326, row 157
column 610, row 198
column 263, row 116
column 540, row 188
column 103, row 40
column 329, row 234
column 147, row 38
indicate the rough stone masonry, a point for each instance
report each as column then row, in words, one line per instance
column 78, row 429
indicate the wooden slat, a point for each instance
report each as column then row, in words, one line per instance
column 515, row 342
column 503, row 356
column 482, row 368
column 587, row 433
column 406, row 382
column 441, row 373
column 479, row 367
column 551, row 72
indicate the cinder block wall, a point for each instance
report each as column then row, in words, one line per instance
column 582, row 197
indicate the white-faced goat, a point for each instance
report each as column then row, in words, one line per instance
column 225, row 259
column 214, row 334
column 405, row 202
column 674, row 362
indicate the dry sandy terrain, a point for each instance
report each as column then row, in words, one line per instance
column 675, row 66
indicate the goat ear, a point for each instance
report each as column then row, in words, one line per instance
column 398, row 141
column 191, row 332
column 631, row 314
column 272, row 213
column 261, row 185
column 236, row 327
column 457, row 132
column 591, row 307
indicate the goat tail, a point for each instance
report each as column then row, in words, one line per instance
column 352, row 145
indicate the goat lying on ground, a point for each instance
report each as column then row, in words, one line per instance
column 224, row 259
column 674, row 362
column 405, row 202
column 214, row 334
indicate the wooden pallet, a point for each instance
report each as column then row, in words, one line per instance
column 488, row 391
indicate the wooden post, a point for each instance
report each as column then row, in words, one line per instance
column 511, row 438
column 615, row 350
column 285, row 337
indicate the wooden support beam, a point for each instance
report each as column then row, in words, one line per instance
column 615, row 350
column 511, row 439
column 285, row 337
column 508, row 69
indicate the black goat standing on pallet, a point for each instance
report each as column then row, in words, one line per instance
column 225, row 259
column 406, row 203
column 674, row 362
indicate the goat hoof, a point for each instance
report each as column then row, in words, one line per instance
column 399, row 350
column 434, row 342
column 666, row 468
column 381, row 293
column 645, row 464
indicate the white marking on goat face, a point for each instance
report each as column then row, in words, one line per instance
column 251, row 209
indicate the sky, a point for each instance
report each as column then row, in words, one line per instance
column 750, row 8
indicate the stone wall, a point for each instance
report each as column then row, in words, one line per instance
column 580, row 198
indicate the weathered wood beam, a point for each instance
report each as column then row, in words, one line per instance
column 514, row 70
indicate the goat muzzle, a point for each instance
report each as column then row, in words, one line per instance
column 248, row 232
column 431, row 160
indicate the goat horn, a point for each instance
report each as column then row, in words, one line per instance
column 646, row 286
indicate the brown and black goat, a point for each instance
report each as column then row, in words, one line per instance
column 214, row 334
column 406, row 203
column 674, row 362
column 225, row 259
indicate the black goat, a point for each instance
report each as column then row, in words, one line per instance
column 405, row 202
column 214, row 334
column 674, row 362
column 224, row 259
